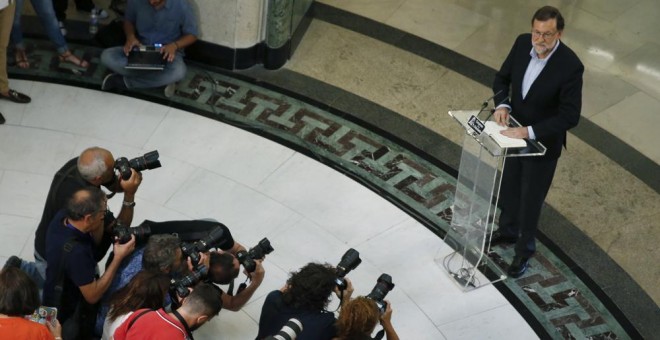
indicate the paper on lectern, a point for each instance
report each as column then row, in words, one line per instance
column 493, row 129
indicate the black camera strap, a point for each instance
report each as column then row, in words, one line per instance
column 61, row 270
column 380, row 334
column 184, row 323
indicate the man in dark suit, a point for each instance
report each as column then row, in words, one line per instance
column 540, row 84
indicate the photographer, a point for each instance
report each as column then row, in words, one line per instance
column 196, row 309
column 358, row 319
column 162, row 252
column 71, row 284
column 94, row 167
column 305, row 297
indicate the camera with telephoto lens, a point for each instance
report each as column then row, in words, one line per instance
column 146, row 162
column 289, row 331
column 180, row 286
column 192, row 250
column 349, row 261
column 383, row 286
column 246, row 258
column 123, row 233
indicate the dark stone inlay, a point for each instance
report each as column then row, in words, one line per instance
column 266, row 108
column 611, row 146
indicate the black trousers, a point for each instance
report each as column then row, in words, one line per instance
column 525, row 184
column 61, row 6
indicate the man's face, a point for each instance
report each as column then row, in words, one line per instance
column 544, row 36
column 157, row 3
column 97, row 218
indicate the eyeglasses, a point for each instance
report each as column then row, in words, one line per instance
column 546, row 35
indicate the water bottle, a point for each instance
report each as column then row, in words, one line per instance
column 93, row 22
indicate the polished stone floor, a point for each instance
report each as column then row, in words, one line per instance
column 600, row 189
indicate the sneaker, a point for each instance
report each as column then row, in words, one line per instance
column 62, row 28
column 13, row 261
column 113, row 81
column 170, row 90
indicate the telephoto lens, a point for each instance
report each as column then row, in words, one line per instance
column 349, row 261
column 383, row 286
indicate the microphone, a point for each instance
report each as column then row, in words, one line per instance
column 485, row 103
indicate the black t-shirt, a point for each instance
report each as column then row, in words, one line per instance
column 317, row 325
column 79, row 265
column 65, row 183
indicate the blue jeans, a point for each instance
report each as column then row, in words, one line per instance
column 115, row 59
column 46, row 13
column 36, row 270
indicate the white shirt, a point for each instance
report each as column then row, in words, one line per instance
column 109, row 327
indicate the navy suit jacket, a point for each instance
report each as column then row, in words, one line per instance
column 553, row 102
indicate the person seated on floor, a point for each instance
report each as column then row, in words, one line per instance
column 146, row 290
column 358, row 319
column 46, row 13
column 304, row 297
column 19, row 297
column 6, row 16
column 203, row 303
column 170, row 24
column 71, row 283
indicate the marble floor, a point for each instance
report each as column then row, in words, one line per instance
column 256, row 187
column 606, row 189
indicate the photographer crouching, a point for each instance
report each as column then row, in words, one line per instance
column 189, row 252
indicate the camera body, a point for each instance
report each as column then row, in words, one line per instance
column 258, row 252
column 383, row 286
column 192, row 250
column 123, row 233
column 180, row 286
column 146, row 162
column 349, row 261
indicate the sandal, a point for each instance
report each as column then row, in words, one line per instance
column 72, row 59
column 21, row 59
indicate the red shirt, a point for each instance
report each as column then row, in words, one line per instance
column 152, row 325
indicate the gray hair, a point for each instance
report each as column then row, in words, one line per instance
column 160, row 252
column 93, row 165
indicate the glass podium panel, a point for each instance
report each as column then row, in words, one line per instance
column 475, row 205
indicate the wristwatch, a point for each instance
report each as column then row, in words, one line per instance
column 128, row 204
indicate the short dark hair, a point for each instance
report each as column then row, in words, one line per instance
column 19, row 294
column 160, row 253
column 546, row 13
column 310, row 288
column 222, row 269
column 205, row 299
column 85, row 201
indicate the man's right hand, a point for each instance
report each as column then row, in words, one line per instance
column 123, row 250
column 130, row 43
column 501, row 116
column 131, row 185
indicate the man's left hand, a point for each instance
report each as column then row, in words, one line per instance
column 169, row 52
column 517, row 132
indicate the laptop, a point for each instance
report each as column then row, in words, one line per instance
column 145, row 58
